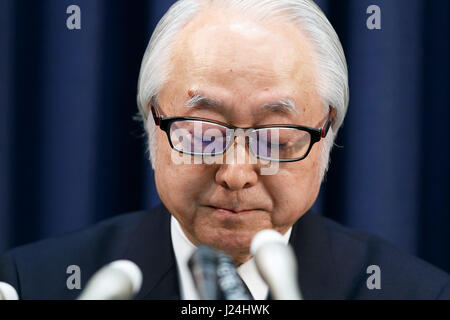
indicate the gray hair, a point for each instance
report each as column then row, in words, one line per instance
column 332, row 71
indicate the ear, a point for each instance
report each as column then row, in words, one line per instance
column 155, row 113
column 327, row 125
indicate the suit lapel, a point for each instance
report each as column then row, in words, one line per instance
column 318, row 278
column 150, row 247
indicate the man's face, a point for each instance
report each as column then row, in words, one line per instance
column 245, row 65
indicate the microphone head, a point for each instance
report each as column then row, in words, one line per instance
column 119, row 280
column 231, row 285
column 276, row 263
column 203, row 255
column 264, row 237
column 7, row 292
column 203, row 267
column 131, row 270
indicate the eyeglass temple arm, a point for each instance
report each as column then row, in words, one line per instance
column 156, row 113
column 327, row 125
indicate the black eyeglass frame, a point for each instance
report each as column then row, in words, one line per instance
column 164, row 123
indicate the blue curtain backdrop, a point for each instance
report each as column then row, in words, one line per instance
column 71, row 154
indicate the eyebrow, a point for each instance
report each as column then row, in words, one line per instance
column 199, row 100
column 282, row 105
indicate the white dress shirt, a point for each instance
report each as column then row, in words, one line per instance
column 184, row 248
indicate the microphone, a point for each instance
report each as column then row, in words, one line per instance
column 230, row 284
column 277, row 265
column 7, row 292
column 119, row 280
column 203, row 267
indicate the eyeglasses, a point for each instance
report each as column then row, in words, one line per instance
column 204, row 137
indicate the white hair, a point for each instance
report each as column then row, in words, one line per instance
column 332, row 74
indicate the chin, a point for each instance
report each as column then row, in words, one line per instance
column 235, row 242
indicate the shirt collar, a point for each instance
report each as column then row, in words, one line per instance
column 183, row 249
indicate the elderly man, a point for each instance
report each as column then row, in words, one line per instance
column 241, row 100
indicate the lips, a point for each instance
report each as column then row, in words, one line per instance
column 230, row 210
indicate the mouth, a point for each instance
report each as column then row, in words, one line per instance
column 229, row 211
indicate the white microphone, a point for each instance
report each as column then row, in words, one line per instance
column 119, row 280
column 276, row 264
column 7, row 292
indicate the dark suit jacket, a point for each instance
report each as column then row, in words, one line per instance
column 332, row 261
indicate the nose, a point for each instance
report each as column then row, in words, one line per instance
column 237, row 172
column 235, row 177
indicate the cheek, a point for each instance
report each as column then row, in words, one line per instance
column 294, row 189
column 179, row 185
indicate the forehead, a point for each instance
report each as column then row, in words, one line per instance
column 238, row 58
